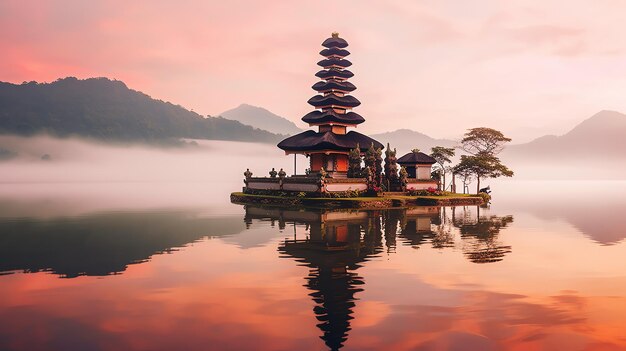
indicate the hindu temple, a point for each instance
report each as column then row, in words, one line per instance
column 328, row 147
column 342, row 162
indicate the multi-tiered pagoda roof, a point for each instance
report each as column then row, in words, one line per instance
column 333, row 105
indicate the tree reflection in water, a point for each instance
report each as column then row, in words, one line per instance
column 338, row 242
column 480, row 235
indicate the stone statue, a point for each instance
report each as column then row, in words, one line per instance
column 247, row 173
column 281, row 174
column 322, row 180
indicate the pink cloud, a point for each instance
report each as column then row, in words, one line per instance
column 420, row 62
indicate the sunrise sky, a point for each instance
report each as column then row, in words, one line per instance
column 528, row 68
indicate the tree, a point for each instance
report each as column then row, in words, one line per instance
column 108, row 110
column 354, row 163
column 379, row 163
column 404, row 176
column 370, row 158
column 436, row 175
column 374, row 161
column 483, row 144
column 482, row 166
column 481, row 238
column 391, row 165
column 483, row 141
column 466, row 176
column 442, row 155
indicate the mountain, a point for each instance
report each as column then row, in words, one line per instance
column 594, row 149
column 600, row 136
column 261, row 118
column 107, row 109
column 405, row 140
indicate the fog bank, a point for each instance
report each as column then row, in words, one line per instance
column 82, row 176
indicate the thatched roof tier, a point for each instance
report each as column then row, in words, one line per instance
column 320, row 117
column 330, row 85
column 419, row 158
column 316, row 141
column 334, row 74
column 334, row 52
column 334, row 62
column 321, row 101
column 335, row 42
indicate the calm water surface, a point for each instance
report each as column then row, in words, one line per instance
column 132, row 267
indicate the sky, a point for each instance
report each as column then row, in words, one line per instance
column 528, row 68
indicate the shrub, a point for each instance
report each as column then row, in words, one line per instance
column 425, row 192
column 343, row 194
column 486, row 197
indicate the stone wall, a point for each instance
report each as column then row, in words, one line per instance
column 335, row 185
column 423, row 172
column 416, row 184
column 306, row 184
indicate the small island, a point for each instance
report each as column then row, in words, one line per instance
column 346, row 167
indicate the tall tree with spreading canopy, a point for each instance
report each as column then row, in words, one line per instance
column 483, row 144
column 482, row 166
column 442, row 155
column 483, row 141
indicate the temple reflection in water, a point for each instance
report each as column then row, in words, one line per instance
column 336, row 243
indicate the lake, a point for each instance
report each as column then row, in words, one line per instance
column 160, row 264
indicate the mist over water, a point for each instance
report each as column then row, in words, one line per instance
column 82, row 175
column 79, row 160
column 586, row 167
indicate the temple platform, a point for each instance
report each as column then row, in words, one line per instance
column 306, row 184
column 379, row 202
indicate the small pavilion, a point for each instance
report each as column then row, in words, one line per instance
column 328, row 147
column 418, row 165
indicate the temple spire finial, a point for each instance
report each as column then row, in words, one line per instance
column 335, row 34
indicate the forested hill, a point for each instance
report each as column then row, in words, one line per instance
column 109, row 110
